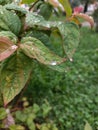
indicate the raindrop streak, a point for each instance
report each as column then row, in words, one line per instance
column 53, row 63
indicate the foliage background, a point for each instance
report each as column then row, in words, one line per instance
column 73, row 95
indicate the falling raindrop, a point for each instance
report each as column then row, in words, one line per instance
column 32, row 48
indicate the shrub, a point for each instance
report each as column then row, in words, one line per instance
column 23, row 37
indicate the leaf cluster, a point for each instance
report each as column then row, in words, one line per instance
column 24, row 35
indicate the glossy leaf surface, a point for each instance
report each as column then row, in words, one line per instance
column 9, row 35
column 7, row 48
column 16, row 8
column 9, row 21
column 69, row 31
column 34, row 48
column 33, row 19
column 70, row 35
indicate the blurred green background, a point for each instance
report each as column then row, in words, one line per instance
column 73, row 95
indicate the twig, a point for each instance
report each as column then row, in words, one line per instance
column 33, row 5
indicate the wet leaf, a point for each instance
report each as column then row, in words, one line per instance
column 33, row 19
column 45, row 10
column 3, row 2
column 43, row 37
column 9, row 35
column 34, row 48
column 15, row 7
column 9, row 21
column 71, row 36
column 69, row 31
column 7, row 48
column 14, row 74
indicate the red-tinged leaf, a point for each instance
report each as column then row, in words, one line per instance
column 85, row 17
column 7, row 48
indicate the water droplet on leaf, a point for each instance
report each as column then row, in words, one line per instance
column 1, row 12
column 71, row 59
column 53, row 63
column 14, row 47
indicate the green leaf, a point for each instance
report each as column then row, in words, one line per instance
column 45, row 10
column 36, row 108
column 14, row 74
column 71, row 37
column 3, row 2
column 9, row 21
column 67, row 7
column 7, row 48
column 28, row 1
column 60, row 68
column 3, row 113
column 43, row 37
column 69, row 31
column 1, row 97
column 46, row 108
column 31, row 124
column 15, row 7
column 87, row 126
column 10, row 35
column 34, row 48
column 16, row 127
column 33, row 19
column 21, row 116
